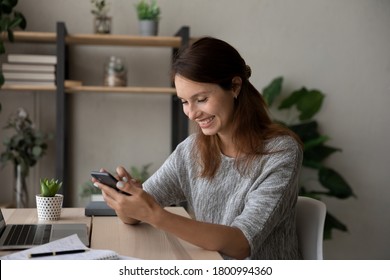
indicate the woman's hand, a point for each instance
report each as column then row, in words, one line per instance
column 139, row 206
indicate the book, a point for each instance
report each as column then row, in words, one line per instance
column 66, row 244
column 41, row 68
column 29, row 76
column 32, row 58
column 28, row 83
column 99, row 208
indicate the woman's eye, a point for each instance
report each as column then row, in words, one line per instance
column 184, row 102
column 202, row 100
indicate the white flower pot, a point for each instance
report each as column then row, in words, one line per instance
column 49, row 208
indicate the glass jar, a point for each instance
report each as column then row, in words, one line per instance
column 115, row 73
column 102, row 25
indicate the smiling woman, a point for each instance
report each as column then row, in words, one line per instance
column 238, row 173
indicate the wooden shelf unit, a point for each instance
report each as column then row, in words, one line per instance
column 63, row 41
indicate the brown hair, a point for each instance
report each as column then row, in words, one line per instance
column 210, row 60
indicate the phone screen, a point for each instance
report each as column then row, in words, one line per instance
column 106, row 179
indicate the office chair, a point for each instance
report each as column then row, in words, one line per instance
column 310, row 222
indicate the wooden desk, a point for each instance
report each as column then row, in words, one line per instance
column 140, row 241
column 144, row 241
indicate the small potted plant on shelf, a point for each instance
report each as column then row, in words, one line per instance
column 49, row 202
column 102, row 22
column 149, row 17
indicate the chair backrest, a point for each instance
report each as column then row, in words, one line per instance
column 310, row 227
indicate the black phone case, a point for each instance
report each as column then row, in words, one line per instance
column 107, row 179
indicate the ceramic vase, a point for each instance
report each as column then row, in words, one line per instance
column 20, row 191
column 148, row 27
column 49, row 208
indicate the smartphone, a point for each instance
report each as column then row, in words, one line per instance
column 107, row 179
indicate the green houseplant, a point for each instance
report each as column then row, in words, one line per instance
column 49, row 202
column 24, row 148
column 149, row 16
column 302, row 105
column 9, row 20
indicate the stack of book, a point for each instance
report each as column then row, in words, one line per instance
column 29, row 69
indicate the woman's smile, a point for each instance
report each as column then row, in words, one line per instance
column 205, row 123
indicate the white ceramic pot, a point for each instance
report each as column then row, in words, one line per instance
column 49, row 208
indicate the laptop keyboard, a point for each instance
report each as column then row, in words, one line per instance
column 28, row 235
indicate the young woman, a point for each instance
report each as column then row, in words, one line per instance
column 238, row 173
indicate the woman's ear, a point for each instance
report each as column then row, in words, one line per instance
column 236, row 86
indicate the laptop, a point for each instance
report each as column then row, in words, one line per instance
column 24, row 236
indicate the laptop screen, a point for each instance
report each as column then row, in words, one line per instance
column 2, row 223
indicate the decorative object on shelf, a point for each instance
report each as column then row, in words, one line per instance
column 149, row 17
column 303, row 105
column 9, row 20
column 115, row 73
column 49, row 202
column 23, row 149
column 102, row 22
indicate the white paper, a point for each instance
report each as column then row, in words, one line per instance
column 68, row 243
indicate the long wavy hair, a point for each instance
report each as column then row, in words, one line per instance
column 210, row 60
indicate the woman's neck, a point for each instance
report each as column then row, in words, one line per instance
column 227, row 147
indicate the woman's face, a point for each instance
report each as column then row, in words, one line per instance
column 210, row 106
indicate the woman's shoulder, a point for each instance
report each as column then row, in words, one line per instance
column 186, row 145
column 282, row 142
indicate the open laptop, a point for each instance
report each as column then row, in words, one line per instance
column 23, row 236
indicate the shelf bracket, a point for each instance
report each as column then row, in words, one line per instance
column 61, row 125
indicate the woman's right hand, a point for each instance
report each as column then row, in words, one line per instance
column 139, row 206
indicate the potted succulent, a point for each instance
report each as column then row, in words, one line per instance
column 148, row 16
column 24, row 148
column 49, row 202
column 102, row 22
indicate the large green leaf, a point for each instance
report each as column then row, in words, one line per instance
column 335, row 183
column 319, row 153
column 306, row 131
column 307, row 102
column 310, row 144
column 21, row 20
column 331, row 223
column 272, row 90
column 292, row 99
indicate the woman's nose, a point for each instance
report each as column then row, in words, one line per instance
column 191, row 112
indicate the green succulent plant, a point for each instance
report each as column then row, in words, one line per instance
column 49, row 187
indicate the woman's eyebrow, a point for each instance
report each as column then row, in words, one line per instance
column 196, row 95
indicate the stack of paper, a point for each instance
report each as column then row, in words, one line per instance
column 30, row 69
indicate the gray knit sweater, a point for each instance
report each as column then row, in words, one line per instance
column 261, row 205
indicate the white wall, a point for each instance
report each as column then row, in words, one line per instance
column 339, row 47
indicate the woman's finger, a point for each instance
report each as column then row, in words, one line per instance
column 123, row 175
column 131, row 187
